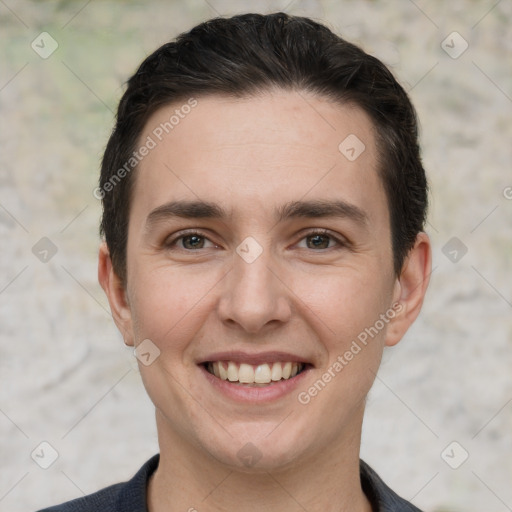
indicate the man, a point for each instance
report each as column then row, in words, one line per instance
column 264, row 204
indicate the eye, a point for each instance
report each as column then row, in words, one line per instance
column 195, row 240
column 321, row 239
column 189, row 241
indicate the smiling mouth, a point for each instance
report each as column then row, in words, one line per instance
column 254, row 375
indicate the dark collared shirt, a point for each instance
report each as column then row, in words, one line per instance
column 131, row 496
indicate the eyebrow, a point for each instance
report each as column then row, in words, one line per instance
column 294, row 209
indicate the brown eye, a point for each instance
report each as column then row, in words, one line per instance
column 190, row 241
column 193, row 241
column 318, row 241
column 322, row 240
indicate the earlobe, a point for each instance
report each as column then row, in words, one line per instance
column 116, row 294
column 410, row 288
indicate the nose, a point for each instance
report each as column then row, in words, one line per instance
column 254, row 296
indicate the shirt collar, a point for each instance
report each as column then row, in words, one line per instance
column 133, row 496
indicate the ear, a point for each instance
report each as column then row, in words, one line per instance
column 116, row 294
column 410, row 288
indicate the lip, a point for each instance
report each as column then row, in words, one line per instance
column 260, row 358
column 255, row 395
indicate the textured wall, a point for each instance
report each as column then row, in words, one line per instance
column 66, row 377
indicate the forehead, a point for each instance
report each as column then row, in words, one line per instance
column 253, row 153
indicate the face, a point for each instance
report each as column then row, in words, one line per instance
column 260, row 267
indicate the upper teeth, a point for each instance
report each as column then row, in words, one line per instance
column 254, row 374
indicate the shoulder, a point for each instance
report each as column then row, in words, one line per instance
column 127, row 496
column 381, row 497
column 104, row 500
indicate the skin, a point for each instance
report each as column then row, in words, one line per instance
column 252, row 155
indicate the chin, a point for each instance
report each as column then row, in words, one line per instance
column 259, row 448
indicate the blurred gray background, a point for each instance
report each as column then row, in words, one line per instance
column 439, row 418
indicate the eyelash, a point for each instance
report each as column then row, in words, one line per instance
column 169, row 244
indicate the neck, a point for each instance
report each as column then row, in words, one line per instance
column 187, row 479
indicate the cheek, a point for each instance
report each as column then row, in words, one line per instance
column 347, row 318
column 167, row 304
column 345, row 302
